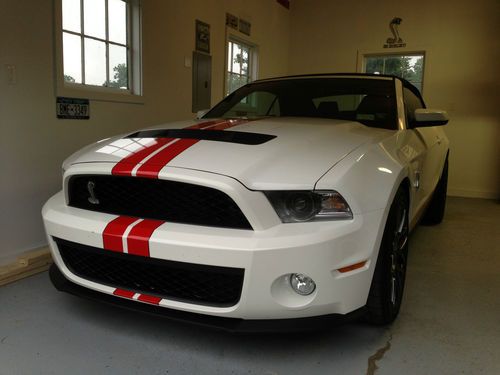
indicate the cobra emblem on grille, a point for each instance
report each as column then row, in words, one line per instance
column 90, row 187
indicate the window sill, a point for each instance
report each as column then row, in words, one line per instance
column 99, row 94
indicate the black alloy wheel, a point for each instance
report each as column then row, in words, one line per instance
column 386, row 291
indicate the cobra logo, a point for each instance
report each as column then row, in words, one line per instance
column 92, row 198
column 396, row 21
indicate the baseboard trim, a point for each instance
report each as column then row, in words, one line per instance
column 28, row 264
column 473, row 193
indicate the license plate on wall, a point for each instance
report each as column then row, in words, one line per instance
column 72, row 108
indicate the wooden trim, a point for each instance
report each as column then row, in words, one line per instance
column 26, row 265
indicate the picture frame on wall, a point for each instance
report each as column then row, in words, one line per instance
column 202, row 41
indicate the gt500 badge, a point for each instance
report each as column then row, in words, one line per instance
column 71, row 108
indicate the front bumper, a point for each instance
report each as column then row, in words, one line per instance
column 268, row 255
column 226, row 324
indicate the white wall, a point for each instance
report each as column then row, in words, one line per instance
column 460, row 39
column 33, row 143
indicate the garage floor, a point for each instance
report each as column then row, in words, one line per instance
column 449, row 323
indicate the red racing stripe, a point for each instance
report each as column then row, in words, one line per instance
column 123, row 293
column 149, row 299
column 152, row 167
column 203, row 125
column 125, row 166
column 228, row 124
column 138, row 238
column 113, row 233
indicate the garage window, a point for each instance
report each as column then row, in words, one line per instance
column 407, row 66
column 100, row 44
column 241, row 62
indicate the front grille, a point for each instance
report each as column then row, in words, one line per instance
column 156, row 199
column 186, row 282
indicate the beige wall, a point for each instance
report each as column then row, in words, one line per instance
column 33, row 143
column 460, row 39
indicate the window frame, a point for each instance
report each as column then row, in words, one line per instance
column 252, row 63
column 134, row 94
column 362, row 55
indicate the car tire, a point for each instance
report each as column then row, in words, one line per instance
column 434, row 213
column 386, row 290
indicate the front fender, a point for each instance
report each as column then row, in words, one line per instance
column 368, row 178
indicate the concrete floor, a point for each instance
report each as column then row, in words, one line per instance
column 449, row 322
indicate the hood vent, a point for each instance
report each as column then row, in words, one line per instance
column 206, row 135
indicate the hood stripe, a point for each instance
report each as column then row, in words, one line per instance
column 133, row 172
column 206, row 124
column 226, row 125
column 152, row 167
column 125, row 166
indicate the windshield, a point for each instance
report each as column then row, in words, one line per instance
column 368, row 101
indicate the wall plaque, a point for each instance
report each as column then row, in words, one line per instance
column 245, row 27
column 202, row 36
column 231, row 21
column 396, row 41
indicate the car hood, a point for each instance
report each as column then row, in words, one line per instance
column 301, row 151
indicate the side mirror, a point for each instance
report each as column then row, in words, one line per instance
column 430, row 117
column 201, row 113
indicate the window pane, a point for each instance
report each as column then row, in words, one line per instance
column 409, row 67
column 235, row 81
column 238, row 66
column 229, row 56
column 118, row 75
column 94, row 16
column 72, row 51
column 375, row 65
column 71, row 15
column 244, row 61
column 236, row 58
column 95, row 62
column 117, row 13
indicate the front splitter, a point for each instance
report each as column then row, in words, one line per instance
column 235, row 325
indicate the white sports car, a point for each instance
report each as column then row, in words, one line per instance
column 289, row 203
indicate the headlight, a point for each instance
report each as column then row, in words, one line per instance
column 300, row 206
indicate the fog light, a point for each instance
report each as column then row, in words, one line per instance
column 302, row 284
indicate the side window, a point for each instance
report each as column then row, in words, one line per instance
column 412, row 102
